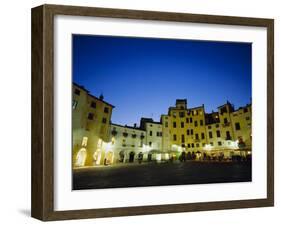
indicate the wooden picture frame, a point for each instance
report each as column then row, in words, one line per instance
column 43, row 108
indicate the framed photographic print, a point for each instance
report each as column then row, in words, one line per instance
column 141, row 112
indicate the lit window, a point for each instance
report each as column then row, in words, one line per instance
column 74, row 104
column 84, row 141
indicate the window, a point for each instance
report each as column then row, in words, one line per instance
column 106, row 110
column 93, row 104
column 225, row 120
column 187, row 132
column 175, row 137
column 202, row 136
column 217, row 125
column 182, row 124
column 223, row 110
column 174, row 124
column 160, row 134
column 210, row 135
column 195, row 123
column 103, row 120
column 191, row 131
column 218, row 133
column 190, row 120
column 219, row 143
column 245, row 110
column 188, row 145
column 74, row 104
column 84, row 141
column 90, row 116
column 77, row 92
column 187, row 120
column 166, row 124
column 211, row 143
column 201, row 122
column 228, row 135
column 123, row 142
column 150, row 144
column 182, row 138
column 196, row 136
column 181, row 114
column 209, row 127
column 150, row 133
column 197, row 145
column 237, row 126
column 192, row 145
column 195, row 112
column 247, row 118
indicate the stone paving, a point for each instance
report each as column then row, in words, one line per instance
column 156, row 174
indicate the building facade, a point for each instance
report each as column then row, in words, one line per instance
column 90, row 126
column 222, row 134
column 184, row 133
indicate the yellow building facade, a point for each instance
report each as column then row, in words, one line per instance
column 222, row 134
column 90, row 127
column 184, row 133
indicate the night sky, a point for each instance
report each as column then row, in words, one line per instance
column 143, row 77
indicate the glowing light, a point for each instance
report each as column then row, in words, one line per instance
column 158, row 157
column 81, row 157
column 208, row 147
column 84, row 141
column 97, row 156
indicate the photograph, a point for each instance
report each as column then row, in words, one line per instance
column 152, row 111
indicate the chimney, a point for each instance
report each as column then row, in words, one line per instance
column 101, row 97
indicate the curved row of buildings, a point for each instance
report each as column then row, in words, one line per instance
column 184, row 133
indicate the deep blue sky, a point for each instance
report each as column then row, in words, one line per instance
column 142, row 77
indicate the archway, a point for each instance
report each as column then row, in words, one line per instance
column 81, row 157
column 97, row 157
column 109, row 157
column 121, row 156
column 132, row 156
column 149, row 157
